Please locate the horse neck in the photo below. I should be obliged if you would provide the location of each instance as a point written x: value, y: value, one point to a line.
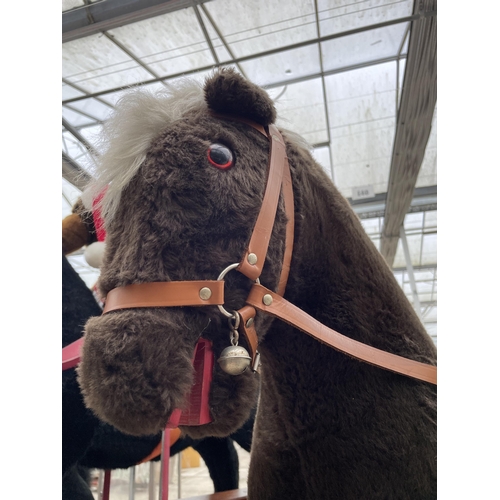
x: 340, y: 278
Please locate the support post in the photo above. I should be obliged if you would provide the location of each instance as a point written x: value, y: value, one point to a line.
x: 131, y: 484
x: 411, y: 276
x: 151, y: 485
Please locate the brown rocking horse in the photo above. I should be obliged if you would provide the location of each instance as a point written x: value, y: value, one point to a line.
x: 221, y: 226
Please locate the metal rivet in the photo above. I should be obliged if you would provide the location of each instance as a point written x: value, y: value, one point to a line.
x: 252, y: 258
x: 205, y: 293
x: 267, y: 299
x: 249, y: 323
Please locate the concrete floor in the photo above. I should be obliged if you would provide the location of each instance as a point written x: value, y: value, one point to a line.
x: 193, y: 480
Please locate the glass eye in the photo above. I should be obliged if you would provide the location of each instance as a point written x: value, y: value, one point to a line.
x: 220, y: 156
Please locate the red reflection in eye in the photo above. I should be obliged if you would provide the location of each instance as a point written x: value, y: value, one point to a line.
x: 220, y: 156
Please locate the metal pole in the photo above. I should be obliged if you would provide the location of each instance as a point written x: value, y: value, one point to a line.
x: 151, y: 485
x: 100, y: 484
x: 411, y: 276
x: 131, y: 484
x: 165, y: 459
x: 179, y: 467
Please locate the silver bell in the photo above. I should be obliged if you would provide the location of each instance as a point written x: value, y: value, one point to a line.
x: 234, y: 360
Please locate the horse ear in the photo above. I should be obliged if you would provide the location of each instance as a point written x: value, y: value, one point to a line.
x: 226, y: 91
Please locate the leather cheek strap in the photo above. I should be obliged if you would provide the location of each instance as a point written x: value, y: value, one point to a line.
x: 278, y: 176
x: 290, y: 227
x: 247, y: 329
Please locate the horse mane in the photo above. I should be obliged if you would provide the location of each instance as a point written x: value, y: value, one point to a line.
x: 139, y: 118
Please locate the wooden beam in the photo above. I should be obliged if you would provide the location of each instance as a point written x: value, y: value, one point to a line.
x: 413, y: 127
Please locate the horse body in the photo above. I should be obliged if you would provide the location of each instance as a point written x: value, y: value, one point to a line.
x: 327, y: 426
x: 348, y: 429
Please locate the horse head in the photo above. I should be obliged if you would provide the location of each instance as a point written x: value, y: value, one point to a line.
x: 183, y: 190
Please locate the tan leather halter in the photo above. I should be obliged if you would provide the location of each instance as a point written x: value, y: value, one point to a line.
x: 201, y: 293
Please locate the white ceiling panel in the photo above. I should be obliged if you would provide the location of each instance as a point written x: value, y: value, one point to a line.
x: 371, y: 226
x: 401, y: 73
x: 218, y: 44
x: 428, y: 170
x: 356, y: 174
x: 421, y: 234
x: 429, y: 248
x: 430, y: 219
x: 362, y: 110
x: 301, y: 108
x: 95, y: 63
x: 370, y: 81
x: 75, y: 118
x: 71, y: 4
x: 322, y: 156
x: 75, y: 150
x: 174, y: 42
x: 68, y: 92
x: 337, y: 16
x: 91, y: 135
x: 414, y: 221
x: 260, y: 25
x: 93, y: 108
x: 284, y: 65
x: 70, y: 195
x: 362, y: 47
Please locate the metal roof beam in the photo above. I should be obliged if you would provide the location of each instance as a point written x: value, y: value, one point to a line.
x: 222, y: 39
x: 102, y: 16
x: 413, y: 126
x: 423, y: 200
x: 79, y: 137
x: 73, y: 173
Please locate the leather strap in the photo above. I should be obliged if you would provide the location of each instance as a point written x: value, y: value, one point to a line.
x: 278, y: 176
x: 290, y: 227
x: 247, y: 328
x: 294, y: 316
x: 164, y: 294
x: 261, y: 235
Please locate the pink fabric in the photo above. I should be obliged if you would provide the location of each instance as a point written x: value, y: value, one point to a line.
x: 96, y: 212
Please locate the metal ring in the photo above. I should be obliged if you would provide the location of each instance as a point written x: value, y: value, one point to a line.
x: 224, y: 311
x: 235, y: 320
x: 228, y: 268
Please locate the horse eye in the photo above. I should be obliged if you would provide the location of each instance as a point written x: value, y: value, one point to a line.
x: 220, y: 156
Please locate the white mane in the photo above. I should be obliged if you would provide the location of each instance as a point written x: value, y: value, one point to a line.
x: 139, y: 118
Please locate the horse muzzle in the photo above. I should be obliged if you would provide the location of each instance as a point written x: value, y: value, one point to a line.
x: 136, y: 367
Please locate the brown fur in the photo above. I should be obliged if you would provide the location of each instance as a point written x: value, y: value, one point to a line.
x: 77, y: 229
x: 327, y: 426
x: 226, y: 94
